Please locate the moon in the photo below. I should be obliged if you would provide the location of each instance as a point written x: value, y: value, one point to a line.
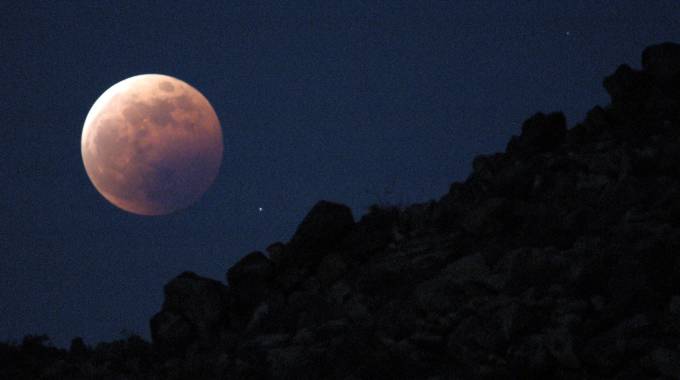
x: 152, y: 144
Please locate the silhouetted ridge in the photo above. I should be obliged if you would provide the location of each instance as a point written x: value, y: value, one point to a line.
x: 557, y: 258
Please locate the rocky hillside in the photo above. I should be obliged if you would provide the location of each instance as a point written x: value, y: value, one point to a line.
x: 558, y: 258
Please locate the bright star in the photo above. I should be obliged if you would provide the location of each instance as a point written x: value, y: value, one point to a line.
x: 259, y: 209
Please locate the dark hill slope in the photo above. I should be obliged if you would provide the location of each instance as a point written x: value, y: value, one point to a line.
x: 559, y: 258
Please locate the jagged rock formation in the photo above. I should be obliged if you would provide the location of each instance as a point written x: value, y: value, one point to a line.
x: 555, y: 259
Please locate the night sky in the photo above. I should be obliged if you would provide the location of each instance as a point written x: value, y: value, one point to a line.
x: 359, y: 102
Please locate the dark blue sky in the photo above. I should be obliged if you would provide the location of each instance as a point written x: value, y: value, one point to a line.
x: 343, y: 102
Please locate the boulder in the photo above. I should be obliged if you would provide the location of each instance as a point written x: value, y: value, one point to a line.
x: 291, y: 362
x: 627, y: 86
x: 441, y: 292
x: 514, y: 319
x: 662, y: 63
x: 275, y: 251
x: 78, y: 347
x: 249, y: 278
x: 561, y: 347
x: 475, y: 333
x: 254, y: 267
x: 171, y: 332
x: 540, y: 133
x: 664, y: 362
x: 417, y: 217
x: 469, y: 269
x: 324, y: 225
x: 524, y: 268
x: 596, y: 122
x: 486, y: 217
x: 193, y: 309
x: 330, y: 269
x: 531, y: 356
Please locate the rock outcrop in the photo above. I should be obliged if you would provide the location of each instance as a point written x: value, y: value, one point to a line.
x: 557, y: 258
x: 193, y: 310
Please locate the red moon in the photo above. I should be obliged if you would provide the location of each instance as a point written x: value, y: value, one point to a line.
x: 152, y: 144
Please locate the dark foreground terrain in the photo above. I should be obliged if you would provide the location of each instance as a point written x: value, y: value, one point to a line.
x: 559, y: 258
